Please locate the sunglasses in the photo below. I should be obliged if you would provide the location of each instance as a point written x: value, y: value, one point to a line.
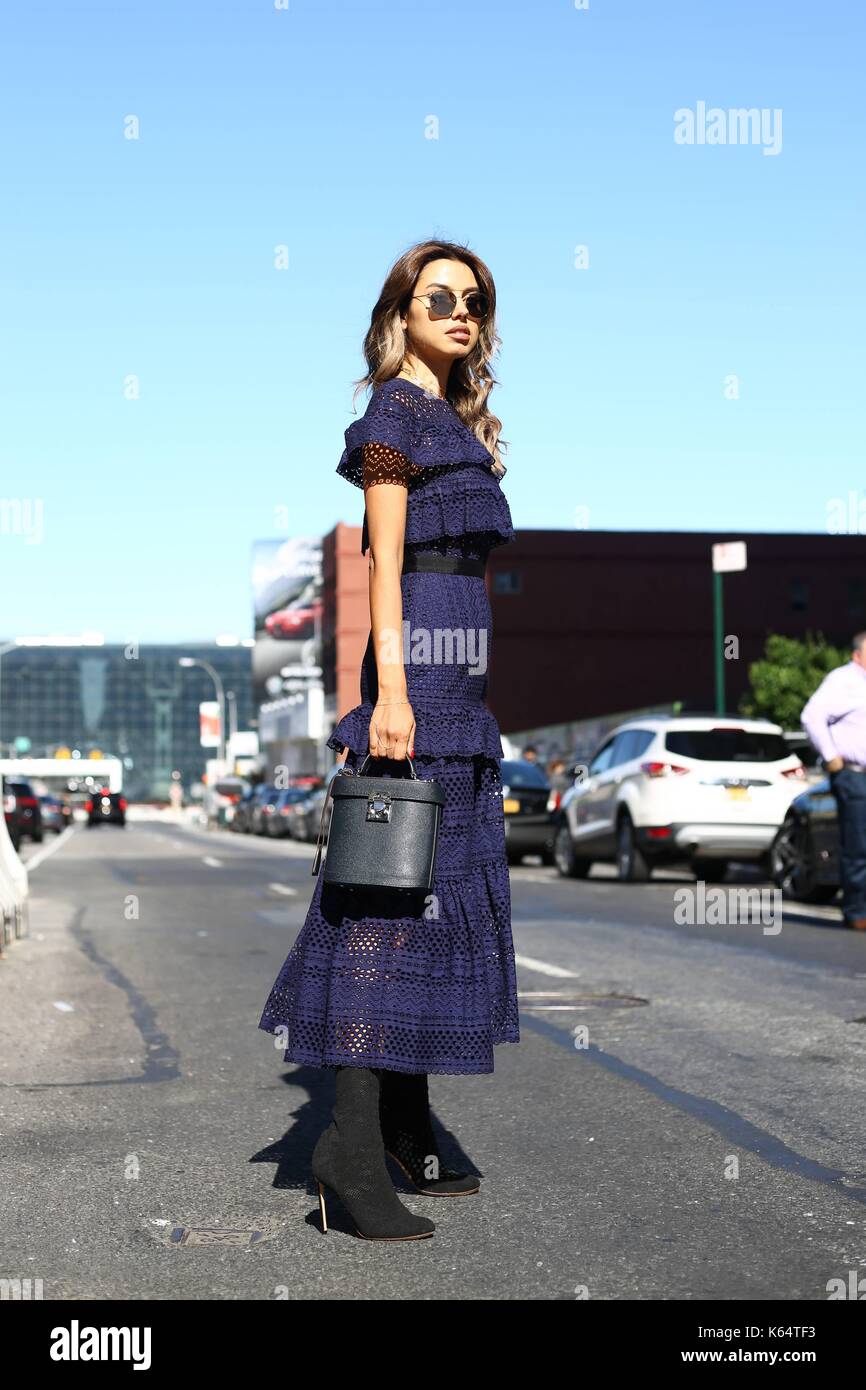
x: 444, y: 302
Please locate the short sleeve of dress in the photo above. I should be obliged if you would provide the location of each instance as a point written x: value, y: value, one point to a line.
x: 380, y: 446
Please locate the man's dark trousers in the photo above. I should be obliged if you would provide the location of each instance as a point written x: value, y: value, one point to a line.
x: 849, y: 789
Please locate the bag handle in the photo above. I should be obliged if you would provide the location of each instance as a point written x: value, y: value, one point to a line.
x: 381, y: 757
x: 320, y: 837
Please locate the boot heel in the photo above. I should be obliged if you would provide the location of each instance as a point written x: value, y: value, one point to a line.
x: 349, y: 1160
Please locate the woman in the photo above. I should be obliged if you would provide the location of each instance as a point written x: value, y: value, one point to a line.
x: 383, y: 998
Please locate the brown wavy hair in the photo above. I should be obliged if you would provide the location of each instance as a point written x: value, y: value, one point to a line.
x: 471, y: 379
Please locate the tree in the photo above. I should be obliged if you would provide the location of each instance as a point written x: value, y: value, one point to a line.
x: 788, y: 675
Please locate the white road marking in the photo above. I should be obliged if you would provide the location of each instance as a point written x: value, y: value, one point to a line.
x: 47, y: 850
x: 211, y: 862
x: 554, y: 1008
x: 543, y: 967
x: 283, y: 848
x: 829, y: 914
x: 283, y: 888
x: 64, y: 1007
x: 541, y: 994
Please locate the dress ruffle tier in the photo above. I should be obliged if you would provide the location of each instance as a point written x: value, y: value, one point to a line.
x: 450, y: 502
x: 440, y: 730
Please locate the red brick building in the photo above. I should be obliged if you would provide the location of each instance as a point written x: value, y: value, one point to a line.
x: 587, y: 623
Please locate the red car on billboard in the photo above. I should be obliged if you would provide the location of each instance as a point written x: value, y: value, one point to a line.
x: 294, y: 623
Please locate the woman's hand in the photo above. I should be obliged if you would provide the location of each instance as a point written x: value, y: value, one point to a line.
x: 392, y: 730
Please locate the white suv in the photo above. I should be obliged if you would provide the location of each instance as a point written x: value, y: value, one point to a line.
x: 661, y: 789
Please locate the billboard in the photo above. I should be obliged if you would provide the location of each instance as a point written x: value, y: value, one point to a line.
x: 209, y: 723
x: 287, y: 609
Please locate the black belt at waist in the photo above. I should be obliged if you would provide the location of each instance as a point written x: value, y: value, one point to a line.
x: 430, y: 561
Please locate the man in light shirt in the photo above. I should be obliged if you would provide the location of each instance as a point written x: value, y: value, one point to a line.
x: 835, y: 720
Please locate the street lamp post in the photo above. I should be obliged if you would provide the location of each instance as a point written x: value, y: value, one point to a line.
x: 233, y: 712
x: 221, y: 696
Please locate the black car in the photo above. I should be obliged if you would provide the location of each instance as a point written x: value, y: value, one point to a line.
x: 804, y: 857
x: 308, y: 815
x: 263, y: 807
x: 282, y: 819
x: 244, y: 818
x: 22, y: 810
x: 242, y: 809
x: 530, y: 821
x: 106, y: 808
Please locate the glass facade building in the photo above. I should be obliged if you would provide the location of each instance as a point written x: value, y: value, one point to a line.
x: 127, y: 701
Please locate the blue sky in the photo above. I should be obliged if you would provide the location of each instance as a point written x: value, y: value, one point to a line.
x: 305, y: 127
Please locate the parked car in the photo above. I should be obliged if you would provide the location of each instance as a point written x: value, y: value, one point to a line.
x: 529, y: 806
x: 308, y: 813
x: 264, y: 804
x: 105, y: 807
x: 704, y: 790
x: 804, y: 859
x: 22, y: 810
x: 247, y: 806
x: 56, y: 814
x: 281, y: 820
x: 240, y: 821
x: 221, y: 800
x: 310, y: 781
x: 799, y: 742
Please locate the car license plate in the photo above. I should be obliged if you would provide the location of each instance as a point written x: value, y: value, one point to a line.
x: 738, y: 793
x: 510, y: 805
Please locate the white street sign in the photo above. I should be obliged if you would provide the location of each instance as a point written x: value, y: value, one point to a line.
x: 729, y: 555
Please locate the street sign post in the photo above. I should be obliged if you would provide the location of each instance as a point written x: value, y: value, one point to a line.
x: 727, y: 556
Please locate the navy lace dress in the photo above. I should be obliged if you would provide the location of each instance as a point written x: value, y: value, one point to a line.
x: 429, y: 993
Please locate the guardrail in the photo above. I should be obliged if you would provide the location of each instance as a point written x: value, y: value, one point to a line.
x: 14, y: 892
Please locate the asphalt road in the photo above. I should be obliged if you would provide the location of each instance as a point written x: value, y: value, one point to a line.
x: 704, y: 1140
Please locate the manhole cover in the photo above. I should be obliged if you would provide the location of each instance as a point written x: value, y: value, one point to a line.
x: 214, y: 1235
x: 170, y: 1232
x: 552, y: 1001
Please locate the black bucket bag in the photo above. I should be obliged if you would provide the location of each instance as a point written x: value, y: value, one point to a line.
x: 383, y: 831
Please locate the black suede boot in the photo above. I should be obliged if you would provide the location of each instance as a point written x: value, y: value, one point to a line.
x: 349, y: 1158
x: 408, y: 1137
